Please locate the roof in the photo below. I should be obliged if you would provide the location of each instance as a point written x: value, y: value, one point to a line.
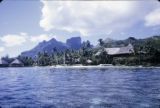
x: 16, y: 61
x: 112, y: 51
x: 121, y: 50
x: 98, y: 53
x: 89, y: 61
x: 3, y: 62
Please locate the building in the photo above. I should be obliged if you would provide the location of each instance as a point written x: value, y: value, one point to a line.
x: 77, y: 60
x: 3, y: 63
x: 89, y: 61
x: 16, y: 63
x: 119, y: 51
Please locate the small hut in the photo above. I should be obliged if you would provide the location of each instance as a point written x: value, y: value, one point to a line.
x: 89, y: 61
x: 77, y: 60
x: 16, y: 63
x: 3, y: 63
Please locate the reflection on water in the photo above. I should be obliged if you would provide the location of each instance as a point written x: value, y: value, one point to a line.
x: 80, y: 88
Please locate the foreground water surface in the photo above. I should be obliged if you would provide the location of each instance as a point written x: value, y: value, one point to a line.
x: 80, y: 88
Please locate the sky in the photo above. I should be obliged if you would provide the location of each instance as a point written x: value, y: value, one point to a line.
x: 23, y: 24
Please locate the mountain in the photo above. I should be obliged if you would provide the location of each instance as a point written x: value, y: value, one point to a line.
x: 74, y: 43
x: 48, y: 46
x: 154, y: 41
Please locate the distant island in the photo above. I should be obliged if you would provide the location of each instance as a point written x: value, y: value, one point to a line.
x: 129, y: 52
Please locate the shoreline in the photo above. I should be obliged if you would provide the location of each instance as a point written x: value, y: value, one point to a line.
x: 101, y: 67
x: 85, y: 67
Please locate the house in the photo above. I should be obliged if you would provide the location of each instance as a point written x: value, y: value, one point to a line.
x: 77, y: 60
x: 89, y: 61
x: 3, y: 63
x: 16, y: 63
x: 119, y: 51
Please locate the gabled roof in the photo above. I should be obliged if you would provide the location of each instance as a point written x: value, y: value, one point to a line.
x: 89, y: 61
x: 112, y: 51
x: 121, y: 50
x: 16, y: 61
x: 2, y: 61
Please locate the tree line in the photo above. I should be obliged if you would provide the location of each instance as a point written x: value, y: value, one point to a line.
x: 146, y: 53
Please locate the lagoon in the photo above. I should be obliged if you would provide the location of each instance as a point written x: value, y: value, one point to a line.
x: 50, y: 87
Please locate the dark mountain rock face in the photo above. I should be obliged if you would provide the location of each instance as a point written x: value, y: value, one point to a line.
x: 48, y: 46
x: 74, y: 43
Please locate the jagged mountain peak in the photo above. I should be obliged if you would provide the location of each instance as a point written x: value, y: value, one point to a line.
x: 48, y: 46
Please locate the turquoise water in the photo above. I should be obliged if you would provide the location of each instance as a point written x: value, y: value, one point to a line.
x: 80, y: 88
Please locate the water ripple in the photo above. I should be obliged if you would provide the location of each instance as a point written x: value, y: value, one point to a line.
x: 80, y: 88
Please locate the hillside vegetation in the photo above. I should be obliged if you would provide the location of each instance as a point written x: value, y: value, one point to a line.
x: 146, y: 53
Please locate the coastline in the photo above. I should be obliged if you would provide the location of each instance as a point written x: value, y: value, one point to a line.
x: 99, y: 67
x: 86, y: 67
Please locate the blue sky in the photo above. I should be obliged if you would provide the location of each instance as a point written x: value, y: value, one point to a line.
x: 26, y: 23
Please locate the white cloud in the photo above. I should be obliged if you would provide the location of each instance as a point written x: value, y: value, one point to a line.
x: 109, y: 32
x: 23, y: 34
x: 153, y: 18
x: 85, y: 17
x: 17, y: 43
x: 90, y: 17
x: 1, y: 49
x: 40, y: 38
x: 12, y: 40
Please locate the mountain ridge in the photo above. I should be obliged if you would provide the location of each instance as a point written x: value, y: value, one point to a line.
x: 75, y: 43
x: 48, y: 46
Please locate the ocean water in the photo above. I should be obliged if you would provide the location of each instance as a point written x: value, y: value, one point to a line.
x: 79, y: 88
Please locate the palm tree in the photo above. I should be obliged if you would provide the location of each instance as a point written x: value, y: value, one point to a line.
x: 38, y: 58
x: 104, y: 57
x: 88, y: 44
x: 101, y: 42
x: 55, y: 54
x: 68, y: 55
x: 140, y: 54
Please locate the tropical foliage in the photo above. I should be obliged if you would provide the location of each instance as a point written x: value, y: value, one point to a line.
x: 147, y: 53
